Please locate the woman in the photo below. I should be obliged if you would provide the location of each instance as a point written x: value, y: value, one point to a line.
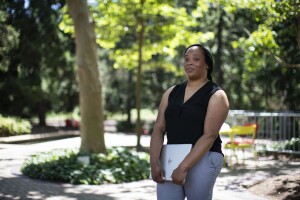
x: 191, y: 113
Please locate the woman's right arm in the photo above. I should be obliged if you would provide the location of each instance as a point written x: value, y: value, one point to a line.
x: 157, y: 139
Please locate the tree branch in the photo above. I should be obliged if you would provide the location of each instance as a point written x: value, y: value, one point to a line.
x: 280, y: 61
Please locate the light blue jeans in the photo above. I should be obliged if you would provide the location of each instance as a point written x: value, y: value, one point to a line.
x: 199, y: 181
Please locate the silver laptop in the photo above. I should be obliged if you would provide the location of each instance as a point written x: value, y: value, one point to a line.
x: 171, y: 156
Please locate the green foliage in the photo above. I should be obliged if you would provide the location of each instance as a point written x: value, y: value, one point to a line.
x: 38, y: 73
x: 9, y: 40
x: 288, y: 145
x: 157, y: 80
x: 119, y: 93
x: 117, y: 166
x: 258, y: 41
x: 259, y: 44
x: 117, y: 23
x: 124, y: 126
x: 14, y: 126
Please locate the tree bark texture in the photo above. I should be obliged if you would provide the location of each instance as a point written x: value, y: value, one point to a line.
x: 91, y: 110
x: 140, y: 41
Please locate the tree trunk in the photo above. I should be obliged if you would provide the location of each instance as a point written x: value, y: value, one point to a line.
x: 218, y: 60
x: 91, y: 110
x: 129, y: 103
x: 298, y: 29
x: 140, y: 40
x: 42, y: 109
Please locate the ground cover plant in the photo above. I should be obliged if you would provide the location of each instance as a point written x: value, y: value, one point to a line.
x: 10, y: 126
x: 288, y: 145
x: 117, y: 166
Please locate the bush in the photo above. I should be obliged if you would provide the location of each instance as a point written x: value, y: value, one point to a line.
x: 124, y: 126
x: 292, y: 145
x: 147, y: 127
x: 14, y: 126
x: 117, y: 166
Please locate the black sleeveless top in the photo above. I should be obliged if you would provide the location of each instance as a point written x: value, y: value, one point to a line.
x: 185, y: 121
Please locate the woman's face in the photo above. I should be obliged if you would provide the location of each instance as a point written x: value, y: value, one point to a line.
x: 194, y: 63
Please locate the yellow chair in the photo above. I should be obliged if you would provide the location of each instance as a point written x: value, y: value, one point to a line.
x: 241, y: 138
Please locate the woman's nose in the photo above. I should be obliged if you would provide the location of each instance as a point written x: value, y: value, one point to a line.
x: 190, y: 62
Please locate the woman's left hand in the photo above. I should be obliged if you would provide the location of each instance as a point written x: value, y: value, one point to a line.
x: 179, y: 175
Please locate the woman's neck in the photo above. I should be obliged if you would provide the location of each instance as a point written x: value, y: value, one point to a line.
x: 197, y: 83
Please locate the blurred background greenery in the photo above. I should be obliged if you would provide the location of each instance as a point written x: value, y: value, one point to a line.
x: 255, y: 45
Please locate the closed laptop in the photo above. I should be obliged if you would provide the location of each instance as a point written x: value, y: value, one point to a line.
x: 171, y: 156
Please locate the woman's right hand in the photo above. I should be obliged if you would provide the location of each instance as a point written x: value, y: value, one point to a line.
x: 157, y: 140
x: 157, y: 173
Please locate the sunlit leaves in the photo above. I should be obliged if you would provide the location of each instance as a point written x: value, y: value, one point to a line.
x: 66, y: 24
x: 9, y: 39
x: 202, y: 8
x: 166, y: 28
x: 124, y: 58
x: 261, y: 43
x: 254, y: 33
x: 266, y: 11
x: 263, y: 37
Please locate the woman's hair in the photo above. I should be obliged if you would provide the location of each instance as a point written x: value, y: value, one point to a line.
x: 208, y: 58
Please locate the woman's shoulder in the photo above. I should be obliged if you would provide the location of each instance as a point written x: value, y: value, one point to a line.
x: 169, y: 90
x: 218, y: 94
x: 215, y: 87
x: 175, y: 87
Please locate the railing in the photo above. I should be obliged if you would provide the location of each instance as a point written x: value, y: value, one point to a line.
x: 274, y: 128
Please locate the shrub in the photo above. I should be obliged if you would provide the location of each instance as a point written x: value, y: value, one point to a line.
x: 124, y: 126
x: 117, y: 166
x: 293, y: 145
x: 14, y: 126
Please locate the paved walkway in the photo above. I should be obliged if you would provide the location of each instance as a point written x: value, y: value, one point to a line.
x: 13, y: 185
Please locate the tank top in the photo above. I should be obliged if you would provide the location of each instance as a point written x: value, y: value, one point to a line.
x: 185, y: 120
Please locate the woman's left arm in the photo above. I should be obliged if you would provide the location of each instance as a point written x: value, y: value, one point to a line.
x: 217, y: 112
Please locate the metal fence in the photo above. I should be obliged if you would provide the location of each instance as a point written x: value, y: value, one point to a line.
x: 276, y: 131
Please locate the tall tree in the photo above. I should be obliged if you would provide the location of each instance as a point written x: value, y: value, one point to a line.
x: 91, y: 111
x: 37, y: 74
x: 260, y: 41
x: 140, y: 30
x: 272, y: 49
x: 141, y: 26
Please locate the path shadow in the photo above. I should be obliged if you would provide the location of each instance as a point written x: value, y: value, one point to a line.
x: 24, y: 188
